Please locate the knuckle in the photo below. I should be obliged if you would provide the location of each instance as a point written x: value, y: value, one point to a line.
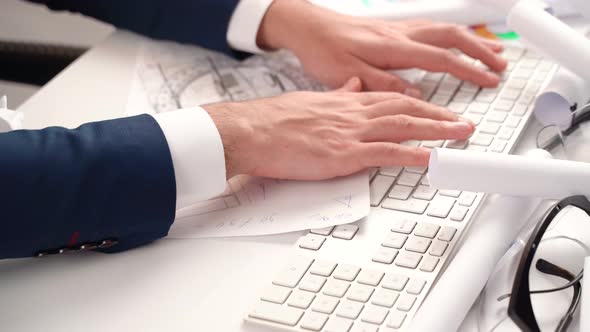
x: 402, y: 121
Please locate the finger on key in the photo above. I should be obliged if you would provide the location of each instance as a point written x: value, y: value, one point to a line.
x: 378, y: 154
x: 401, y: 128
x: 410, y: 106
x: 436, y: 59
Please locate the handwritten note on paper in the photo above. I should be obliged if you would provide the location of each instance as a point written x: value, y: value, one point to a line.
x: 258, y: 206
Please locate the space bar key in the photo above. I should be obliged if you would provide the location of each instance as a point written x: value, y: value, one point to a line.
x: 411, y: 205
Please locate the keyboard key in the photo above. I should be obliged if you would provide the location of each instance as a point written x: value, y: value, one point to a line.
x: 424, y: 192
x: 350, y: 309
x: 411, y: 143
x: 409, y: 179
x: 459, y: 213
x: 345, y: 232
x: 498, y: 117
x: 391, y: 170
x: 417, y: 170
x: 433, y: 77
x: 301, y: 299
x: 478, y: 107
x: 498, y: 146
x: 457, y: 107
x: 295, y: 270
x: 385, y: 256
x: 385, y: 298
x: 396, y: 319
x: 489, y: 128
x: 429, y: 264
x: 482, y: 139
x: 519, y: 110
x: 311, y: 242
x: 464, y: 96
x: 523, y: 73
x: 312, y: 283
x: 512, y: 122
x: 433, y: 144
x: 486, y: 97
x: 395, y: 282
x: 440, y: 99
x: 441, y: 207
x: 447, y: 233
x: 411, y: 205
x: 276, y: 313
x: 370, y: 277
x: 379, y: 187
x: 406, y: 302
x: 322, y: 268
x: 418, y: 244
x: 415, y: 286
x: 314, y: 321
x: 513, y: 53
x: 322, y: 231
x: 510, y: 94
x: 374, y: 314
x: 438, y: 248
x: 373, y: 171
x: 395, y: 240
x: 467, y: 198
x: 276, y: 294
x: 456, y: 144
x: 408, y: 259
x: 405, y: 226
x: 475, y: 118
x: 363, y: 327
x: 338, y: 324
x: 346, y: 272
x: 504, y: 105
x: 450, y: 193
x: 360, y: 293
x: 336, y: 288
x: 400, y: 192
x: 516, y: 83
x: 505, y: 133
x: 325, y: 304
x: 428, y: 230
x: 427, y: 88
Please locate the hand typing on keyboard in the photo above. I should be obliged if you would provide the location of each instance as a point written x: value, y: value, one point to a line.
x: 315, y: 135
x: 333, y: 47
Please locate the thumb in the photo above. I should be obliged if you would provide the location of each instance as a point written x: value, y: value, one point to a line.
x: 353, y: 84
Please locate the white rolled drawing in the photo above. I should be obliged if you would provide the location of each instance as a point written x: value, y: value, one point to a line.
x: 508, y: 174
x: 551, y: 36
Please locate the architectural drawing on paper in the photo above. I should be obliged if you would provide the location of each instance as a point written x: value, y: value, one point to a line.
x: 173, y: 76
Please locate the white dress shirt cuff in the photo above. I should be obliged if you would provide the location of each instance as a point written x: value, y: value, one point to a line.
x: 197, y: 154
x: 244, y: 25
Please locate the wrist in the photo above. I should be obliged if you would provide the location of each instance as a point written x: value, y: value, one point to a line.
x: 235, y: 135
x: 283, y: 24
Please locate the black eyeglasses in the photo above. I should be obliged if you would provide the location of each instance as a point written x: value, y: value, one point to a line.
x: 520, y: 308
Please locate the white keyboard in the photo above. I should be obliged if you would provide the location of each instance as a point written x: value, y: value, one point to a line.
x: 373, y: 275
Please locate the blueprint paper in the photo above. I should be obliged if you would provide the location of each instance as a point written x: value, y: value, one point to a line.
x: 169, y: 76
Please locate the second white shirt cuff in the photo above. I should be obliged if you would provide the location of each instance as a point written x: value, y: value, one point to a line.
x: 244, y: 25
x: 197, y: 154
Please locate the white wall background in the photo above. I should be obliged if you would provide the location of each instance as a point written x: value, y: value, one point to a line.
x: 23, y: 21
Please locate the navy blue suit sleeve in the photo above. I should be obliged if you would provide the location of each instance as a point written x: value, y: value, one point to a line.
x: 104, y: 180
x: 200, y: 22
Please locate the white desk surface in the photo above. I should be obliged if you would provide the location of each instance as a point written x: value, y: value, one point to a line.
x: 169, y: 285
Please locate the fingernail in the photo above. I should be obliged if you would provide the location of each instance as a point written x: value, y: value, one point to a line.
x: 463, y: 126
x: 493, y: 78
x: 413, y: 92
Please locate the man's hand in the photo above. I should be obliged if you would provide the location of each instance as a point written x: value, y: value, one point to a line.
x: 334, y: 47
x: 315, y: 135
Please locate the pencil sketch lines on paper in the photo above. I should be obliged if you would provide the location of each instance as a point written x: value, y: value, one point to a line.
x: 175, y: 76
